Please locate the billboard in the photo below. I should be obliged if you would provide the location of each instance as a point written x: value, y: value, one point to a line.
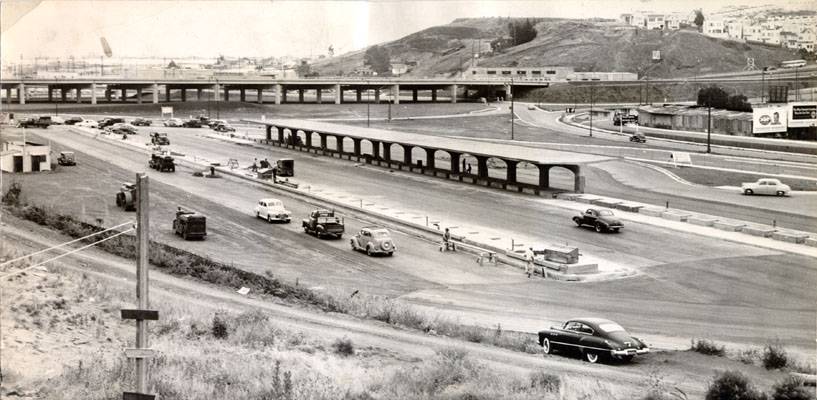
x: 803, y: 114
x: 769, y: 119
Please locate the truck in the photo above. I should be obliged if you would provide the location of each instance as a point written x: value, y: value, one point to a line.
x: 126, y: 197
x: 162, y: 162
x: 159, y: 139
x: 189, y: 224
x: 322, y: 223
x: 36, y: 122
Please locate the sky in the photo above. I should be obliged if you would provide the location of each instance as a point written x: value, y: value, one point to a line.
x: 188, y: 28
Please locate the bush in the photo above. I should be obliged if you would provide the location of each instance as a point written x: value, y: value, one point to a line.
x: 545, y: 381
x: 12, y: 196
x: 344, y: 347
x: 732, y: 385
x: 790, y: 388
x: 707, y: 347
x: 219, y: 327
x: 774, y: 356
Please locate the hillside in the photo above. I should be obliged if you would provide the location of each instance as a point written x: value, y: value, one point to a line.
x: 586, y: 45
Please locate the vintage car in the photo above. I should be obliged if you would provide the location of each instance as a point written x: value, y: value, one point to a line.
x: 36, y: 122
x: 766, y: 186
x: 593, y: 338
x: 272, y: 210
x: 602, y: 220
x: 159, y: 139
x: 215, y: 122
x: 67, y: 158
x: 192, y: 123
x: 323, y: 223
x: 223, y: 128
x: 106, y: 122
x: 73, y: 120
x: 638, y: 138
x: 374, y: 240
x: 141, y: 122
x: 88, y: 123
x: 172, y: 123
x: 190, y: 224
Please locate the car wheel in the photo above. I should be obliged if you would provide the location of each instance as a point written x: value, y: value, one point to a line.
x: 577, y: 220
x: 269, y: 219
x: 546, y: 346
x: 369, y: 250
x: 352, y: 243
x: 626, y: 358
x: 748, y: 191
x: 599, y: 228
x: 391, y: 254
x: 616, y: 230
x: 591, y: 357
x: 781, y: 193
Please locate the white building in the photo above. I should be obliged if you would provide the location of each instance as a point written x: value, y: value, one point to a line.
x: 25, y: 157
x: 715, y: 28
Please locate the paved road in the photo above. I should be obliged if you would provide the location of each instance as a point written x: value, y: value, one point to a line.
x: 689, y: 285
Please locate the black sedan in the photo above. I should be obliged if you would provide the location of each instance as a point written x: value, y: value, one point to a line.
x: 141, y: 122
x: 600, y: 219
x: 192, y: 123
x: 593, y: 338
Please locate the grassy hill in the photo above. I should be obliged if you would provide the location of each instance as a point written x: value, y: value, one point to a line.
x: 587, y: 45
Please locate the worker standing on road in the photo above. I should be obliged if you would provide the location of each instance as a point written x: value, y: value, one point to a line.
x: 254, y: 166
x: 529, y: 261
x: 446, y: 244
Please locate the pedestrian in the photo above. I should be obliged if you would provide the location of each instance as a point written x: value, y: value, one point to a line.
x: 254, y: 166
x: 446, y: 244
x: 274, y: 177
x: 529, y: 261
x: 468, y: 168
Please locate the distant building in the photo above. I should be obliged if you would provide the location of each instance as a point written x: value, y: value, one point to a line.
x: 551, y: 74
x: 655, y: 21
x: 25, y: 157
x: 651, y: 20
x: 715, y: 28
x: 399, y: 69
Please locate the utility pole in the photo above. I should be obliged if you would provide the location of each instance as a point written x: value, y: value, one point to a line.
x: 142, y: 314
x: 512, y: 115
x: 591, y: 111
x: 708, y: 127
x: 763, y: 85
x: 367, y: 104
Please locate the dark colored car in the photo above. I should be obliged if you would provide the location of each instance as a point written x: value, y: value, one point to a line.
x: 105, y: 122
x: 141, y: 122
x: 37, y: 122
x: 192, y: 123
x: 73, y: 120
x: 593, y: 339
x: 602, y: 220
x: 190, y: 225
x: 223, y: 128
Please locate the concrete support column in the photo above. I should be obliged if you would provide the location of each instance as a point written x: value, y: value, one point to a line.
x: 544, y: 176
x: 8, y: 95
x: 323, y: 140
x: 434, y: 95
x: 278, y: 96
x: 259, y: 97
x: 387, y: 151
x: 216, y: 92
x: 414, y: 95
x: 139, y: 95
x: 124, y: 97
x: 269, y: 132
x: 108, y: 94
x: 430, y: 157
x: 242, y: 95
x: 280, y: 134
x: 93, y: 93
x: 358, y: 95
x: 155, y: 93
x: 50, y: 94
x: 318, y: 92
x: 407, y: 154
x: 375, y: 149
x: 284, y: 95
x: 308, y: 135
x: 377, y: 95
x: 511, y: 171
x: 78, y: 97
x: 395, y: 90
x: 339, y: 143
x: 198, y: 94
x: 21, y: 93
x: 357, y: 146
x: 226, y: 94
x: 338, y: 94
x: 167, y: 93
x: 578, y: 179
x: 184, y: 94
x: 300, y: 95
x: 63, y: 95
x: 453, y: 93
x: 455, y: 162
x: 482, y: 166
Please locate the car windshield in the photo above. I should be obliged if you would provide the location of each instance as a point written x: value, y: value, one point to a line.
x: 606, y: 212
x: 610, y: 327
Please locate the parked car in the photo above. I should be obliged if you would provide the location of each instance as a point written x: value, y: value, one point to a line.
x: 215, y: 122
x: 593, y: 338
x: 141, y: 122
x: 66, y: 158
x: 638, y: 138
x: 159, y: 139
x: 531, y: 107
x: 192, y: 123
x: 223, y: 128
x: 189, y: 224
x: 600, y: 219
x: 123, y: 129
x: 74, y: 120
x: 173, y: 122
x: 106, y: 122
x: 374, y: 241
x: 272, y: 210
x: 88, y: 123
x: 768, y: 186
x: 323, y: 223
x: 35, y: 122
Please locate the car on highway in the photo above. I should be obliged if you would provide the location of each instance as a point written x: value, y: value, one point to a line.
x: 141, y: 122
x: 122, y: 128
x: 35, y: 122
x: 190, y: 224
x: 215, y: 122
x: 767, y: 186
x: 88, y: 123
x: 192, y: 123
x: 323, y: 223
x: 594, y: 339
x: 374, y: 240
x: 531, y: 107
x: 106, y: 122
x: 172, y: 123
x: 223, y: 128
x: 272, y: 210
x: 638, y: 138
x: 74, y: 120
x: 602, y: 220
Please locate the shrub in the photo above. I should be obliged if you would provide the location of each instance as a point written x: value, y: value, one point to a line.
x: 707, y: 347
x: 219, y: 327
x: 732, y: 385
x: 774, y: 356
x: 790, y: 388
x: 12, y: 196
x: 545, y: 381
x: 344, y: 347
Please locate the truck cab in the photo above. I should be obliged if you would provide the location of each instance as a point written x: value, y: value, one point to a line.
x: 323, y: 223
x: 190, y: 224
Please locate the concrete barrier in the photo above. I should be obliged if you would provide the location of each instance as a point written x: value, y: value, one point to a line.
x: 759, y: 230
x: 652, y: 211
x: 675, y: 215
x: 606, y: 202
x: 631, y: 207
x: 810, y: 241
x: 790, y: 236
x: 728, y: 225
x: 568, y: 196
x: 587, y: 198
x: 702, y: 220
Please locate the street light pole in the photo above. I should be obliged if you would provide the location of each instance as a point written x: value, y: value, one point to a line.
x: 708, y: 127
x: 763, y: 85
x: 367, y: 104
x: 591, y: 111
x: 512, y: 116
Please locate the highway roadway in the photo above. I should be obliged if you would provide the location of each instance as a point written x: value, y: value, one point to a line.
x: 687, y: 286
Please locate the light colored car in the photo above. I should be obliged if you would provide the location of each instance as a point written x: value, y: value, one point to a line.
x: 173, y: 122
x: 272, y: 210
x: 531, y: 107
x: 88, y: 123
x: 768, y: 186
x: 374, y: 240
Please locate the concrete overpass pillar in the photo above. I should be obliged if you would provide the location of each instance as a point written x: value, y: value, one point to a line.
x: 184, y: 94
x: 358, y: 95
x: 155, y: 94
x: 387, y: 151
x: 578, y: 179
x: 434, y: 95
x: 454, y: 93
x: 93, y: 93
x: 280, y: 134
x: 339, y: 143
x: 259, y: 96
x: 308, y: 135
x: 107, y: 94
x: 511, y: 171
x: 508, y: 92
x: 300, y: 95
x: 338, y: 95
x: 318, y: 92
x: 482, y: 166
x: 357, y: 146
x: 78, y: 97
x: 216, y: 92
x: 323, y: 140
x: 278, y: 94
x: 407, y: 154
x: 284, y: 95
x: 455, y: 162
x: 124, y: 97
x: 63, y: 95
x: 544, y: 176
x: 139, y: 95
x: 242, y: 95
x: 395, y: 90
x: 21, y: 93
x: 430, y: 157
x: 50, y: 97
x: 375, y: 149
x: 226, y: 94
x: 269, y: 132
x: 377, y: 95
x: 414, y: 95
x: 198, y: 94
x: 167, y: 93
x: 8, y: 95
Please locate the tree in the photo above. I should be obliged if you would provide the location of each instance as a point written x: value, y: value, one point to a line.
x: 699, y: 18
x: 738, y: 102
x: 521, y: 32
x: 713, y: 96
x: 379, y: 58
x: 303, y: 69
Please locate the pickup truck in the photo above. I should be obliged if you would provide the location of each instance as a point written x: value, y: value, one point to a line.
x: 37, y: 122
x: 323, y: 223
